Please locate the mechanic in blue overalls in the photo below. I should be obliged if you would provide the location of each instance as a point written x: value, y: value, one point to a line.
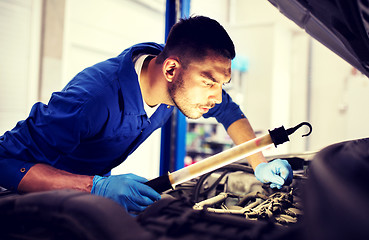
x: 106, y: 111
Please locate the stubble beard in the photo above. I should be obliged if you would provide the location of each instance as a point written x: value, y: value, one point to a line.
x: 176, y: 90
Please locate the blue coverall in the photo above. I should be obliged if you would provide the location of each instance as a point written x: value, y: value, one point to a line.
x: 93, y: 124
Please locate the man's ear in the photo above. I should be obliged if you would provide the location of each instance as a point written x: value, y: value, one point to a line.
x: 170, y: 68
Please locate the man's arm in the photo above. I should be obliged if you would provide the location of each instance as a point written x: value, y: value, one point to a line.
x: 43, y: 177
x: 128, y: 190
x: 241, y: 131
x: 277, y: 172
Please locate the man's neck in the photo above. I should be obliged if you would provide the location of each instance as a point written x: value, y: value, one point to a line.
x: 153, y: 87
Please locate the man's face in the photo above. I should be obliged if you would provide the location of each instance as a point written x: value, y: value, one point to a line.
x: 198, y: 87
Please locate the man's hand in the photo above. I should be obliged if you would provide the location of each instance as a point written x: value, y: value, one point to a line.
x: 128, y: 190
x: 277, y: 172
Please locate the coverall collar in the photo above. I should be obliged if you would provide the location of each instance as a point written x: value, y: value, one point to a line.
x: 133, y: 100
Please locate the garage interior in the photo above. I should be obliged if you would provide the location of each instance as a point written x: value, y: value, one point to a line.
x: 282, y: 75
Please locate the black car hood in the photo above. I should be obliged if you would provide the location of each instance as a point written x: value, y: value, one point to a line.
x: 340, y: 25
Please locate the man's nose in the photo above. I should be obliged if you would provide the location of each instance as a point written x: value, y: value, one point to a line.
x: 216, y: 96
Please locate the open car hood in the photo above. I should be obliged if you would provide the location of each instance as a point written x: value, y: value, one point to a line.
x: 340, y: 25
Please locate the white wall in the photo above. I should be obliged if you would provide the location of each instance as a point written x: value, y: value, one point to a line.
x: 19, y: 51
x: 99, y: 29
x: 339, y: 99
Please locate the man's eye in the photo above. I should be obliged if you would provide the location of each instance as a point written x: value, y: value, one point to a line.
x: 226, y: 83
x: 209, y: 83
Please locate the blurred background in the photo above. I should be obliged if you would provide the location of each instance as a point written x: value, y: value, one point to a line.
x: 280, y: 76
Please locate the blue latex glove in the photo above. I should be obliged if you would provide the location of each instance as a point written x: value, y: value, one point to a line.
x: 128, y: 190
x: 277, y: 172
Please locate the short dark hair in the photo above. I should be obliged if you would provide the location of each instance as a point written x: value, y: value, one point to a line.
x: 193, y: 37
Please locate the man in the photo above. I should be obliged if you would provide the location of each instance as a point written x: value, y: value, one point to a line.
x: 106, y: 111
